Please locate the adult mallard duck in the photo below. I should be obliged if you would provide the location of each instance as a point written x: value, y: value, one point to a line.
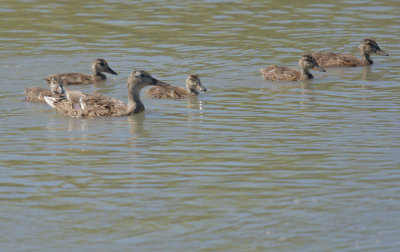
x: 193, y: 84
x: 36, y: 94
x: 83, y: 105
x: 367, y: 47
x: 283, y: 73
x: 98, y: 67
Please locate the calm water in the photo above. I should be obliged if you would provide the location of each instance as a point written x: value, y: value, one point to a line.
x: 248, y: 166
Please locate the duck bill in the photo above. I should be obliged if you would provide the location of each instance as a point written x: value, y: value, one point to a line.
x: 110, y: 71
x: 381, y: 52
x: 201, y: 87
x: 318, y: 68
x: 61, y: 90
x: 156, y: 82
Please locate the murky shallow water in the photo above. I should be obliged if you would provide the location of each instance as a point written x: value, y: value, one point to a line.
x: 249, y: 165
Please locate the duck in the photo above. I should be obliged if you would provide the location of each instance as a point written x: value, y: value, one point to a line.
x: 193, y: 86
x: 331, y: 59
x: 37, y: 94
x: 98, y: 67
x: 283, y: 73
x: 90, y: 105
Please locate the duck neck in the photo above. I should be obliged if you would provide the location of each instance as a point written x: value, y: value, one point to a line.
x: 367, y: 58
x: 53, y: 90
x: 135, y: 105
x: 305, y: 74
x: 191, y: 90
x: 99, y: 75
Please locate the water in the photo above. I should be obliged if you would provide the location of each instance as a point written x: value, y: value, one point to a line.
x: 247, y: 166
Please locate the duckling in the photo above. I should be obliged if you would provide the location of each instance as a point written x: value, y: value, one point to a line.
x: 98, y: 66
x: 193, y: 84
x: 83, y: 105
x: 282, y: 73
x: 367, y: 47
x: 36, y: 94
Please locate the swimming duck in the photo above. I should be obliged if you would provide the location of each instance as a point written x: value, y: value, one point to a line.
x: 367, y: 47
x: 193, y: 84
x: 282, y: 73
x: 83, y: 105
x: 36, y: 94
x: 98, y: 66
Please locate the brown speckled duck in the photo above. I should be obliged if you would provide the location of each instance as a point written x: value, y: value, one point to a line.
x: 82, y: 105
x: 367, y: 47
x: 282, y: 73
x: 98, y: 66
x: 36, y: 94
x: 193, y: 84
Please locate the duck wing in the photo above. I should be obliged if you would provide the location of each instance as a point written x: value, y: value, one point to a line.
x: 83, y: 105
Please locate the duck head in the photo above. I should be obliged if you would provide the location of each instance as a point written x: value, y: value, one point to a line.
x: 369, y: 46
x: 193, y: 84
x: 57, y: 86
x: 100, y: 65
x: 308, y: 62
x: 141, y: 78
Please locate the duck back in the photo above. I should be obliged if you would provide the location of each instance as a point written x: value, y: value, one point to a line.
x: 330, y: 59
x: 280, y: 73
x: 75, y: 78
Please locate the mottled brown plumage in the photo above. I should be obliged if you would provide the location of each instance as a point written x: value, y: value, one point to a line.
x: 98, y: 66
x: 367, y: 47
x: 36, y: 94
x: 83, y: 105
x: 193, y: 84
x: 283, y: 73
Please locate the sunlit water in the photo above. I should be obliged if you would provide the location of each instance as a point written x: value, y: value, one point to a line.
x: 247, y: 166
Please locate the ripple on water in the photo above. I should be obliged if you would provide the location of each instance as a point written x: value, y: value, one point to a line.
x: 282, y: 166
